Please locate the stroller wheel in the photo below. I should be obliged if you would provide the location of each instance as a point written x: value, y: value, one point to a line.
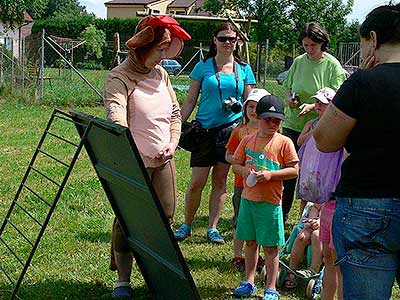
x: 280, y: 280
x: 263, y: 275
x: 309, y: 289
x: 279, y: 277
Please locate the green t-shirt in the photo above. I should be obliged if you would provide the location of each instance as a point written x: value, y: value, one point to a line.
x: 305, y: 78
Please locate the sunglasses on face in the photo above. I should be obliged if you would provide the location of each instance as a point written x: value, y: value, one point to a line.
x: 223, y: 39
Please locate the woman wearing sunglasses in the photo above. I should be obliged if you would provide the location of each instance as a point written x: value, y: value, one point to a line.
x: 223, y: 81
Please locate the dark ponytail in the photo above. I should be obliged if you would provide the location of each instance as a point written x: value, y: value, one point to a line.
x: 385, y: 21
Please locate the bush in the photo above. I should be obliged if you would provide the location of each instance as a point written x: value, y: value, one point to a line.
x: 95, y: 41
x: 276, y: 67
x: 90, y: 65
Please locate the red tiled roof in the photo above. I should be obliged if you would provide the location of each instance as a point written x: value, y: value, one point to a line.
x: 199, y: 11
x: 116, y: 2
x: 27, y: 17
x: 181, y: 3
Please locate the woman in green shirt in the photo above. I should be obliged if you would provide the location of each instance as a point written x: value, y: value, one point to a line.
x: 309, y: 73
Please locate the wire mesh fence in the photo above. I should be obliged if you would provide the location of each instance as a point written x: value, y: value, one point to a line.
x: 60, y: 71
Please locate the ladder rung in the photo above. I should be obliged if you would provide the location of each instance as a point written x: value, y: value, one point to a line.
x: 61, y: 138
x: 68, y: 118
x: 8, y: 276
x: 79, y: 123
x: 45, y: 176
x: 19, y: 231
x: 54, y: 158
x: 36, y: 194
x: 11, y: 250
x: 29, y: 214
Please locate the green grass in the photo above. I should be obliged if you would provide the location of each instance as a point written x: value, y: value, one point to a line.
x: 67, y: 88
x: 72, y: 259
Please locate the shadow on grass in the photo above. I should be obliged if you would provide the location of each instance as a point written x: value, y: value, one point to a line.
x: 59, y: 289
x: 207, y: 292
x: 220, y: 263
x: 67, y: 290
x: 95, y: 236
x: 224, y: 224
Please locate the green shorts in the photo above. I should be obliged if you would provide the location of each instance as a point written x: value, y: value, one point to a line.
x: 261, y: 222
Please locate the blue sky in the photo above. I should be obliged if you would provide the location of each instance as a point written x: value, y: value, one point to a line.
x: 360, y: 9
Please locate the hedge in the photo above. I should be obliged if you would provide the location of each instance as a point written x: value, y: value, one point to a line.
x: 199, y: 30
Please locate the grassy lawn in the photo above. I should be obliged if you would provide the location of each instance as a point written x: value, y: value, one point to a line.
x: 72, y: 259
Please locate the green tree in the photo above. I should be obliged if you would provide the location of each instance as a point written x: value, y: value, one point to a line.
x: 94, y: 41
x: 281, y: 20
x: 350, y: 32
x: 270, y: 14
x: 12, y: 11
x: 64, y: 9
x: 331, y: 14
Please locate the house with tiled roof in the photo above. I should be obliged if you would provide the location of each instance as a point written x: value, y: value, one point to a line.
x: 11, y: 36
x: 137, y: 8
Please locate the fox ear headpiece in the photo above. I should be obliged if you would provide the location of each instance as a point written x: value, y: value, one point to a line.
x: 160, y: 29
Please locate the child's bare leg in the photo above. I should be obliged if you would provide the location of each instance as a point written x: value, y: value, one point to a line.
x: 237, y: 246
x: 339, y: 278
x: 340, y: 284
x: 316, y: 257
x: 298, y: 248
x: 330, y: 280
x: 272, y: 266
x: 251, y: 260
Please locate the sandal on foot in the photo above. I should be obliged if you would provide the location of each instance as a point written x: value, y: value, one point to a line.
x: 214, y: 237
x: 306, y: 272
x: 290, y: 281
x: 183, y: 232
x: 122, y: 291
x: 245, y: 289
x: 238, y: 264
x: 270, y: 294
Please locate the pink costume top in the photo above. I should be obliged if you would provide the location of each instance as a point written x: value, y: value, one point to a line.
x: 143, y: 100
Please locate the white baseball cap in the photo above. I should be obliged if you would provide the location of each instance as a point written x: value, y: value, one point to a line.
x: 256, y: 95
x: 325, y: 95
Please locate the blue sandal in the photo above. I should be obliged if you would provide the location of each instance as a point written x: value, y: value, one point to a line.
x: 245, y: 289
x: 122, y: 293
x: 270, y: 294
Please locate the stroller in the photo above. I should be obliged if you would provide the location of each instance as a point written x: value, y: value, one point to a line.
x: 314, y: 282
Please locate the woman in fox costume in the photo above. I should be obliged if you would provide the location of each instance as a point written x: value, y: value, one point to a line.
x: 138, y: 94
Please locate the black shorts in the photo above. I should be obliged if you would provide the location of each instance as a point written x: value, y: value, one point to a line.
x: 212, y: 149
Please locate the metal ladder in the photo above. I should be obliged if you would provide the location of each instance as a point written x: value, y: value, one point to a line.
x: 33, y: 206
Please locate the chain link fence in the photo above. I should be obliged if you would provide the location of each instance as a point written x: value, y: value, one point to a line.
x: 15, y: 62
x: 60, y: 71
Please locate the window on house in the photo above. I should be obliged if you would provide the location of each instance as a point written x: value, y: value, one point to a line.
x: 8, y: 43
x: 155, y: 11
x: 182, y: 12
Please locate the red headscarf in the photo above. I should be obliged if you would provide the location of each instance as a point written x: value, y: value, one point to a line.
x: 162, y: 29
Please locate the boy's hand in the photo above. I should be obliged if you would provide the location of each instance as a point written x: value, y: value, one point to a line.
x: 245, y: 172
x: 263, y: 175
